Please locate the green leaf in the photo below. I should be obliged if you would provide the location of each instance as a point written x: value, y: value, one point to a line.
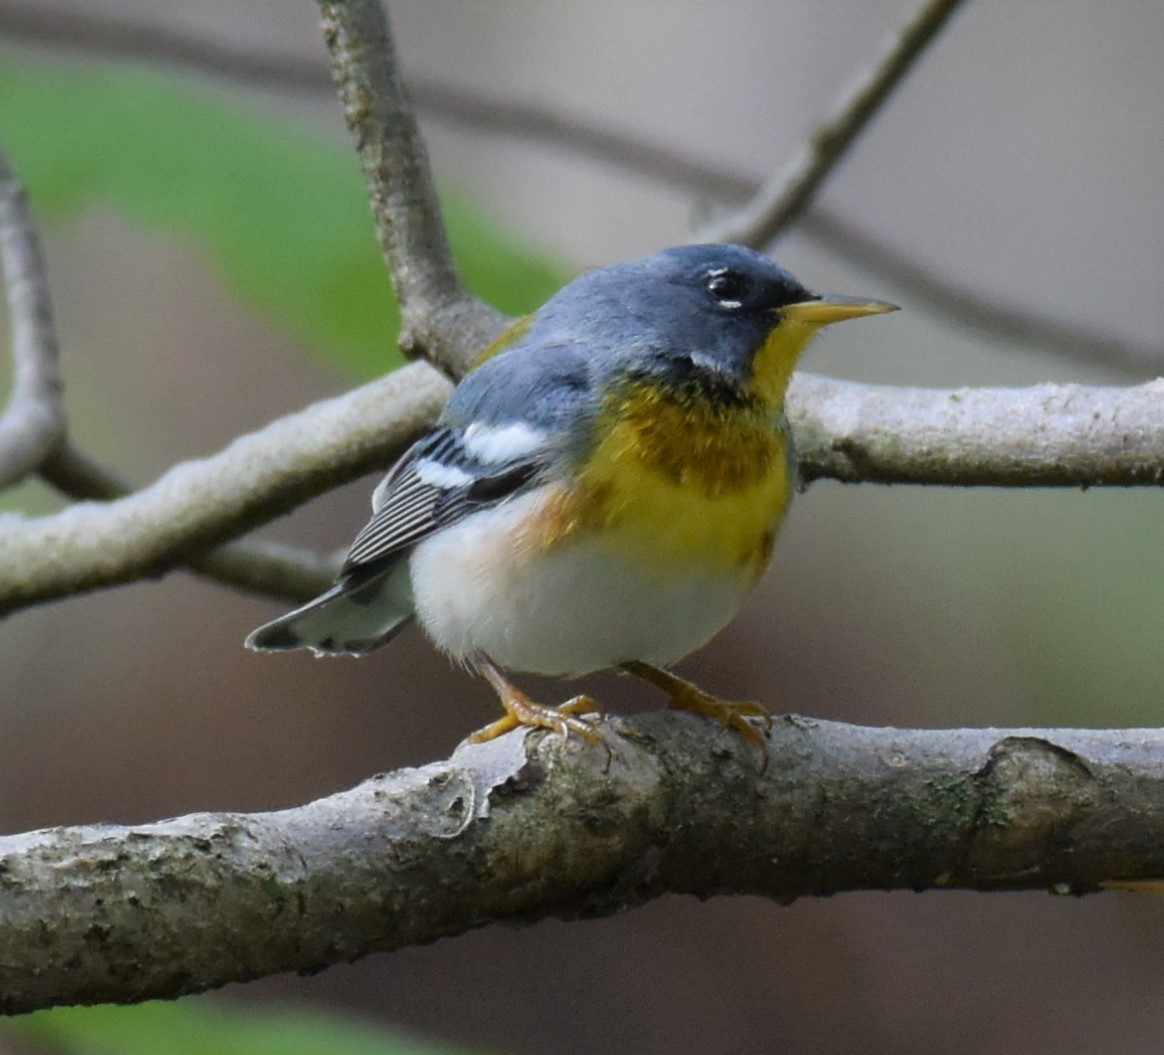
x: 277, y: 211
x: 199, y: 1026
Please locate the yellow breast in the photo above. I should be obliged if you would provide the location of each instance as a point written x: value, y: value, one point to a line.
x: 680, y: 482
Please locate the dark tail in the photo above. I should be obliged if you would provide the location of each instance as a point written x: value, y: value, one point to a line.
x: 354, y: 617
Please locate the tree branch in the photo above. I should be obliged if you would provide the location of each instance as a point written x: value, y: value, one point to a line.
x: 34, y: 420
x: 32, y: 428
x: 131, y: 38
x: 791, y: 189
x: 107, y: 913
x: 439, y: 318
x: 526, y: 827
x: 271, y: 569
x: 198, y: 504
x: 1046, y: 435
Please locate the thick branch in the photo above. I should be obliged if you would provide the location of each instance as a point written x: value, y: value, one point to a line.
x: 791, y: 189
x: 439, y: 318
x: 34, y: 420
x: 155, y: 910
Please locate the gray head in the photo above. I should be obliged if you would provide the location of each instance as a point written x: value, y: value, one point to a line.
x: 708, y: 306
x: 694, y: 314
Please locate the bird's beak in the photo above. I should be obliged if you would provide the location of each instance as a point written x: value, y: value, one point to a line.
x: 832, y: 308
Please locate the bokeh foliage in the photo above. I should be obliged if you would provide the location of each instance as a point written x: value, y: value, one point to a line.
x: 278, y: 212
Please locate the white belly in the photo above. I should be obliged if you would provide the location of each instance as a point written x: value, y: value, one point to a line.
x: 570, y: 610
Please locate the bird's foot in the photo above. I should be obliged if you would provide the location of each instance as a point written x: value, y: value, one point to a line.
x: 564, y: 719
x: 742, y: 715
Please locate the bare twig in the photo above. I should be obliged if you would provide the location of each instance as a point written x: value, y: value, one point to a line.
x: 197, y: 505
x: 791, y: 189
x: 75, y: 475
x: 481, y: 112
x: 34, y: 420
x: 130, y: 38
x: 268, y: 568
x: 439, y: 318
x: 986, y: 314
x: 125, y: 914
x: 921, y: 285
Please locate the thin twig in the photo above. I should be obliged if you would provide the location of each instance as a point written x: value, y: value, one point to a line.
x: 439, y: 318
x: 77, y: 476
x: 506, y: 835
x: 526, y: 827
x: 479, y: 111
x: 925, y: 288
x: 919, y: 283
x: 270, y: 569
x: 131, y: 38
x: 790, y: 190
x: 34, y: 420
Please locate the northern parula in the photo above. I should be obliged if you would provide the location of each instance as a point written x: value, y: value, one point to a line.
x: 603, y: 488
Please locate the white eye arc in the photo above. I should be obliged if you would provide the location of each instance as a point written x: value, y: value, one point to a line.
x: 727, y: 287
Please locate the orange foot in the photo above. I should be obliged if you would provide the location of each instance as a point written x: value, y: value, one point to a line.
x: 741, y: 715
x: 521, y: 710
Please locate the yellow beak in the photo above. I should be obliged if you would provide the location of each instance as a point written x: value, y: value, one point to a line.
x: 831, y: 308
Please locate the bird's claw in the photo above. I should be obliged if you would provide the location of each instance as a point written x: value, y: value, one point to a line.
x: 563, y: 719
x: 742, y: 715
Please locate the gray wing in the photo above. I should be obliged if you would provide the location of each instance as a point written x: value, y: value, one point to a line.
x: 507, y: 422
x: 438, y: 482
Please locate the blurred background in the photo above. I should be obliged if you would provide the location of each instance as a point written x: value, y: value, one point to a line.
x: 1023, y: 158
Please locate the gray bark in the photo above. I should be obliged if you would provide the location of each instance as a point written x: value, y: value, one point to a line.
x: 528, y: 826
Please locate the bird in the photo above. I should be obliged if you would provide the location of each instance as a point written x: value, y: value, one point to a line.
x: 602, y: 490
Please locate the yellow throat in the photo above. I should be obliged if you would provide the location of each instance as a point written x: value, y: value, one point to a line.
x: 681, y: 480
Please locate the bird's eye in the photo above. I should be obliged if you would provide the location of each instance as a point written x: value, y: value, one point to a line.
x: 728, y: 287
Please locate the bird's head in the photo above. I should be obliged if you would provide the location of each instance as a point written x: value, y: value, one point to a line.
x: 720, y: 316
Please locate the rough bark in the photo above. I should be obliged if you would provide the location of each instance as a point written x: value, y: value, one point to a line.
x: 527, y: 826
